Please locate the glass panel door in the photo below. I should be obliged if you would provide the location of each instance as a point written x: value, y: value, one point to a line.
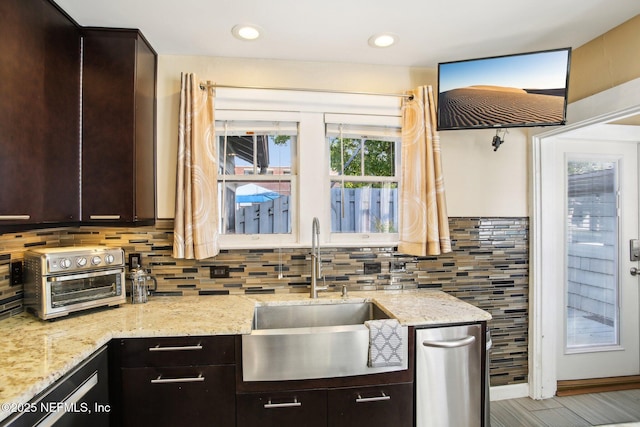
x: 595, y: 184
x: 592, y: 247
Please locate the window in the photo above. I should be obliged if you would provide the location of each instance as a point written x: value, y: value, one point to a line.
x: 363, y: 178
x: 277, y: 145
x: 256, y: 177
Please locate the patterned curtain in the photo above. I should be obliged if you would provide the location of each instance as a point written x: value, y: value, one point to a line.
x: 195, y: 232
x: 424, y: 225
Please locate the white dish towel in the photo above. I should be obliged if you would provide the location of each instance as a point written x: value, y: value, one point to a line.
x: 385, y: 343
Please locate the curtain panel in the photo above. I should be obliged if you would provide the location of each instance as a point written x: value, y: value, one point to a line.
x: 424, y: 224
x: 195, y: 233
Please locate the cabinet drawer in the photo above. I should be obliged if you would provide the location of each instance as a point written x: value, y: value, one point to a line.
x: 176, y: 351
x: 386, y: 405
x: 281, y: 409
x: 193, y: 396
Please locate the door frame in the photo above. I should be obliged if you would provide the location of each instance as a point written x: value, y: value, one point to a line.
x: 615, y: 103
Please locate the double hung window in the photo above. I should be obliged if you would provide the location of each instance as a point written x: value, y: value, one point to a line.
x: 256, y: 177
x: 363, y: 166
x: 286, y: 157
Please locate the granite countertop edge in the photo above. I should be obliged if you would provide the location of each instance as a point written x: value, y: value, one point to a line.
x: 35, y: 353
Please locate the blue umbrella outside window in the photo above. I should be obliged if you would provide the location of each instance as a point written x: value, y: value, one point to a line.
x: 252, y: 193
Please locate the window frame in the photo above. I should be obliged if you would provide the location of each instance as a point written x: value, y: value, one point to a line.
x: 310, y: 186
x: 261, y: 240
x: 384, y: 127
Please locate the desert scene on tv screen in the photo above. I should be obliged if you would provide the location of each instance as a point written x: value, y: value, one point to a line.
x: 526, y: 90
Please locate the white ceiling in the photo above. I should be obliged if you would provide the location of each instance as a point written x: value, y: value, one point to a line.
x: 429, y: 31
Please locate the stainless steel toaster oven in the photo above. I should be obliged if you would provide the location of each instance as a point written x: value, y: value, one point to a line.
x: 60, y: 281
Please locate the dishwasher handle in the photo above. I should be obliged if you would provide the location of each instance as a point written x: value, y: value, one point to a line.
x: 462, y: 342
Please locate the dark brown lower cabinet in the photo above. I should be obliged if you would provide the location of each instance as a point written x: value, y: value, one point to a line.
x: 282, y: 409
x: 174, y: 396
x: 370, y: 406
x: 173, y: 381
x: 388, y: 405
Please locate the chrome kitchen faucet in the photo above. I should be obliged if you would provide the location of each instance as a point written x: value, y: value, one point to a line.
x: 316, y: 261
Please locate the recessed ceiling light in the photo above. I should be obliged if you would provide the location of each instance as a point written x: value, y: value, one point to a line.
x: 383, y: 40
x: 246, y: 31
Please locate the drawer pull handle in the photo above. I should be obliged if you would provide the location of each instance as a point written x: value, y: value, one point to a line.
x: 181, y: 348
x: 361, y: 399
x: 71, y: 400
x: 14, y: 217
x: 161, y: 380
x: 112, y: 217
x: 450, y: 344
x: 295, y: 402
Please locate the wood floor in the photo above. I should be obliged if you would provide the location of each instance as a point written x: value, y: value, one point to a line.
x: 597, y: 409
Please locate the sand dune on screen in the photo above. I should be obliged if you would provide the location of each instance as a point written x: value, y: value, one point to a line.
x: 495, y: 105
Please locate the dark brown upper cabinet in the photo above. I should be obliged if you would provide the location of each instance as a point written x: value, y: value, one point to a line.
x: 118, y: 127
x: 39, y: 114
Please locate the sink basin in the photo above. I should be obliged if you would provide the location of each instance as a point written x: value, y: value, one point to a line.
x: 303, y: 316
x: 295, y: 342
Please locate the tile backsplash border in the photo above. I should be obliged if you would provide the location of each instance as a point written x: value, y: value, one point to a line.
x: 489, y: 268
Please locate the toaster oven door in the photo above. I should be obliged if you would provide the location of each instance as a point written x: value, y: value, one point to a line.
x: 84, y: 290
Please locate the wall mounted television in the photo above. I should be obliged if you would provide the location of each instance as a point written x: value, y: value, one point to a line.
x: 520, y: 90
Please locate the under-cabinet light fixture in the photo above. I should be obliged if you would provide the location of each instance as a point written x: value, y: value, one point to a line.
x: 246, y: 31
x: 383, y: 40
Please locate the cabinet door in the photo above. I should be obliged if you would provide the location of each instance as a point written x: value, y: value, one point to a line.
x: 145, y: 134
x: 179, y: 396
x: 118, y: 147
x: 282, y: 409
x: 388, y: 405
x: 39, y: 114
x: 108, y: 125
x: 80, y: 398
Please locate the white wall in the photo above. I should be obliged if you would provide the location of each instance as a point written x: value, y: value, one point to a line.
x: 481, y: 182
x: 478, y: 181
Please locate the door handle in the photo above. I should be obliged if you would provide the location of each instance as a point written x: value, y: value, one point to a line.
x: 634, y: 271
x: 450, y: 344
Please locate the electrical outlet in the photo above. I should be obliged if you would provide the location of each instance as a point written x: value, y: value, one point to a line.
x: 397, y: 267
x: 219, y: 271
x: 372, y: 268
x: 135, y: 260
x: 16, y: 273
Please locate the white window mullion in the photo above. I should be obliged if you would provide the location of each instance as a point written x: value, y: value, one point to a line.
x: 314, y: 185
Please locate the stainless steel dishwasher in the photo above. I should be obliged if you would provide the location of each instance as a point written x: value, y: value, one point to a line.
x: 449, y: 376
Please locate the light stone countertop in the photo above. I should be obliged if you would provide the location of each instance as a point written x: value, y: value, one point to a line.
x: 34, y: 353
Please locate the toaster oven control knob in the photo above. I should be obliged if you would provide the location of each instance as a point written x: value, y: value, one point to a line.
x: 109, y: 258
x: 96, y: 260
x: 82, y: 261
x: 65, y: 263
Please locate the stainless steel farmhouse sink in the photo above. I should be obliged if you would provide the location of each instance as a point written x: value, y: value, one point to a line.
x: 304, y: 316
x: 293, y: 342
